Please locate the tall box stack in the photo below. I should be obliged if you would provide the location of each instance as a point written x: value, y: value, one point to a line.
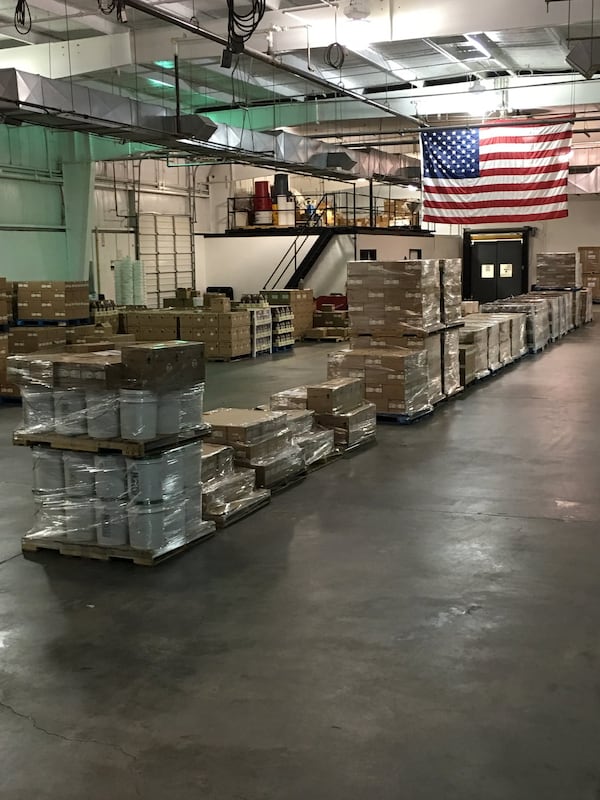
x: 590, y: 265
x: 537, y: 315
x: 261, y: 440
x: 116, y: 448
x: 451, y: 290
x: 51, y: 301
x: 200, y: 327
x: 388, y: 295
x: 300, y: 301
x: 558, y: 271
x: 233, y: 334
x: 152, y: 326
x: 450, y: 362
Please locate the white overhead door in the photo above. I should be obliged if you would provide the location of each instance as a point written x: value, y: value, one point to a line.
x: 167, y: 252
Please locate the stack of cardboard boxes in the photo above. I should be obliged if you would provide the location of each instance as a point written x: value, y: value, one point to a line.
x: 227, y: 490
x: 329, y: 324
x: 301, y: 303
x: 260, y: 440
x: 559, y: 270
x: 590, y: 266
x: 51, y: 301
x: 339, y: 405
x: 451, y: 290
x: 152, y: 326
x: 5, y: 314
x: 184, y: 298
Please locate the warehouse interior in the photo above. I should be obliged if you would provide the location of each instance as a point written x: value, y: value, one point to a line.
x: 299, y: 488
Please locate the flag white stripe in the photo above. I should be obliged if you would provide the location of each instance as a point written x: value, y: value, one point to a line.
x: 494, y: 132
x: 523, y: 147
x: 513, y: 209
x: 462, y: 199
x: 494, y: 163
x: 494, y: 180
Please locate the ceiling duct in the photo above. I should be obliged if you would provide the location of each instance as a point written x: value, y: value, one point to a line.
x: 60, y: 104
x: 584, y: 57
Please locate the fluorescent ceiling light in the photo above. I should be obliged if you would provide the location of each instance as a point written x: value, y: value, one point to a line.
x: 478, y: 46
x: 189, y: 141
x: 412, y: 188
x: 165, y: 64
x: 156, y: 82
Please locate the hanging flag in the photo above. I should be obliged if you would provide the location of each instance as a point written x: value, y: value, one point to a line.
x: 501, y: 173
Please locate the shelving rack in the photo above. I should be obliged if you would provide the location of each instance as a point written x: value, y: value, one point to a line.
x: 261, y: 331
x: 283, y: 327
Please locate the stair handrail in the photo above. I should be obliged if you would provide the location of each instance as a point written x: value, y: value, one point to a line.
x: 306, y: 224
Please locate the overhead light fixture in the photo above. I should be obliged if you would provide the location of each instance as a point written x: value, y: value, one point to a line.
x: 165, y: 64
x: 412, y: 188
x: 156, y: 82
x: 189, y: 141
x: 474, y: 42
x: 358, y: 9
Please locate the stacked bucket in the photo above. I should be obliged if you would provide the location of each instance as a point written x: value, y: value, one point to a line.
x: 115, y: 465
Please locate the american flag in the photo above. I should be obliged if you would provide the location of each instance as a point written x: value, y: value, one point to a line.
x: 496, y: 174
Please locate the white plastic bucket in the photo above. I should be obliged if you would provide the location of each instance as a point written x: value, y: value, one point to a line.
x: 240, y: 219
x: 102, y: 414
x: 48, y: 471
x: 139, y: 415
x: 169, y: 413
x: 80, y: 521
x: 193, y: 510
x: 286, y: 212
x: 174, y: 466
x: 110, y: 477
x: 192, y: 403
x: 38, y: 409
x: 79, y: 474
x: 192, y: 472
x: 69, y: 412
x: 263, y: 217
x: 174, y: 528
x: 112, y: 523
x: 48, y: 517
x: 146, y: 526
x: 145, y: 479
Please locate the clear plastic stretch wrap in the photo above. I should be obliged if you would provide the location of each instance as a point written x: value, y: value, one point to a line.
x: 352, y: 427
x: 139, y: 394
x: 538, y: 329
x: 151, y: 504
x: 476, y: 335
x: 388, y: 294
x: 504, y: 335
x: 566, y: 308
x: 451, y: 289
x: 260, y: 439
x: 587, y: 307
x: 451, y: 372
x: 335, y: 395
x: 315, y: 444
x: 131, y: 415
x: 300, y: 421
x: 396, y: 379
x: 558, y: 271
x: 289, y: 399
x: 432, y: 344
x: 226, y: 490
x: 470, y: 360
x: 555, y: 322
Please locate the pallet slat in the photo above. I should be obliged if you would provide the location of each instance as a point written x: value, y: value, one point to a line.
x: 84, y: 444
x: 145, y: 558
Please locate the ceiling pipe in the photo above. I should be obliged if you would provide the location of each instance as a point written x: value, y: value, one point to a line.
x: 311, y: 77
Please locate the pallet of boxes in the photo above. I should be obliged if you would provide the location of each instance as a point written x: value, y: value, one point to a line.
x: 590, y: 270
x: 46, y: 316
x: 329, y: 325
x: 569, y: 278
x: 226, y: 333
x: 300, y: 304
x: 5, y: 317
x: 116, y: 444
x: 405, y: 317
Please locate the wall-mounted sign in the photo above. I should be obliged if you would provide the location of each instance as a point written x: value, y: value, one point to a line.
x: 506, y: 270
x: 487, y: 270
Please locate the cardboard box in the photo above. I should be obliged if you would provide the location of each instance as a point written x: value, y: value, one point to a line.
x: 244, y: 425
x: 334, y: 396
x: 25, y: 339
x: 220, y: 305
x: 591, y: 280
x: 590, y: 259
x: 558, y: 270
x: 168, y: 365
x: 352, y: 427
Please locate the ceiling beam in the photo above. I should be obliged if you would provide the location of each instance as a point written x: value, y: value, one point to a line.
x: 490, y: 49
x: 375, y: 58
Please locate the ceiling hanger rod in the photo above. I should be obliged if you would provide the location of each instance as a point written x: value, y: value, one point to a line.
x: 172, y: 19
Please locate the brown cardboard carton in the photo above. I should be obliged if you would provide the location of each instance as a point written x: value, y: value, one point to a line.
x: 244, y: 426
x: 351, y: 427
x: 219, y: 305
x: 334, y: 396
x: 169, y: 365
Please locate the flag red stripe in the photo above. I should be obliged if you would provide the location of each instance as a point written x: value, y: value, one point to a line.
x: 547, y: 137
x: 502, y: 156
x: 495, y: 187
x: 485, y: 173
x: 496, y: 218
x: 516, y: 202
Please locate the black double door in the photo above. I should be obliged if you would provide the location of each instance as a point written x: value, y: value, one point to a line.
x: 497, y: 269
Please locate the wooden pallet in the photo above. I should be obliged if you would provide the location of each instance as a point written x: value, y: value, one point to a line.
x: 287, y: 483
x: 53, y: 323
x: 367, y: 442
x: 283, y: 349
x: 145, y: 558
x: 227, y: 359
x: 326, y: 339
x: 325, y: 461
x: 403, y: 419
x: 227, y: 519
x: 84, y: 444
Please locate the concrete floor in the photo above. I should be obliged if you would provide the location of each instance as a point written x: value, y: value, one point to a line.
x: 420, y: 621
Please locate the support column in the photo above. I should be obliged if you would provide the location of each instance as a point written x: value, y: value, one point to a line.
x: 78, y: 188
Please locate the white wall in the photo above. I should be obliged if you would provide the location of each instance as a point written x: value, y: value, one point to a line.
x: 396, y: 248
